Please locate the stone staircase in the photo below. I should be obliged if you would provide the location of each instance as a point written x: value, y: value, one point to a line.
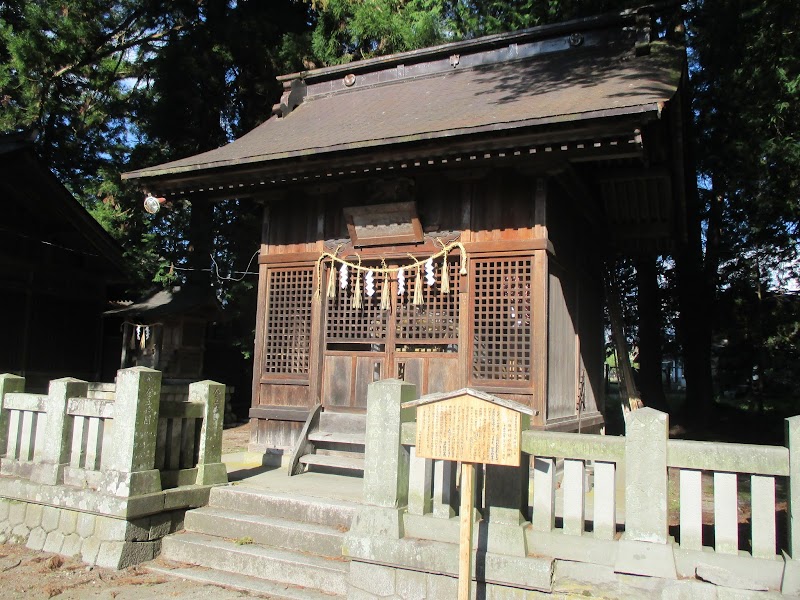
x: 333, y: 443
x: 286, y: 546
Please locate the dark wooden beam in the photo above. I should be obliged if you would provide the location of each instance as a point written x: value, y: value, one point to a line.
x: 279, y: 413
x: 586, y: 201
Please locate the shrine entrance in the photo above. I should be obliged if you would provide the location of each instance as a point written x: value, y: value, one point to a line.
x: 418, y: 343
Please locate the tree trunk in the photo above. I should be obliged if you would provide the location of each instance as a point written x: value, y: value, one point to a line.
x: 628, y: 392
x: 650, y: 355
x: 696, y: 295
x: 695, y: 292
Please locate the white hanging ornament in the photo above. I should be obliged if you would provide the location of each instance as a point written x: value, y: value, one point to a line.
x: 144, y: 333
x: 138, y: 332
x: 369, y: 283
x: 430, y: 278
x: 401, y: 282
x: 343, y: 277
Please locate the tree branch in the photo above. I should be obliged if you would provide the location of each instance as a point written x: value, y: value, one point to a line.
x: 119, y: 48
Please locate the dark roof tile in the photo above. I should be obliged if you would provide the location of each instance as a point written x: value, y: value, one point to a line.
x: 570, y: 85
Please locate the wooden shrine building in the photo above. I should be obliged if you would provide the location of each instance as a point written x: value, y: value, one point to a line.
x: 58, y: 270
x: 515, y: 162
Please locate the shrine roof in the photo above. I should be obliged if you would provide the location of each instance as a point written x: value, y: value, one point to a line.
x: 191, y: 300
x: 38, y: 210
x: 542, y: 78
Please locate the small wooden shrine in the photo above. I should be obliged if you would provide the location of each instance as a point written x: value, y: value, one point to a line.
x: 442, y: 216
x: 166, y: 330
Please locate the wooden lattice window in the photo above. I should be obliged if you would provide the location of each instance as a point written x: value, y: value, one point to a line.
x: 345, y: 324
x: 287, y: 339
x: 502, y: 319
x: 436, y: 319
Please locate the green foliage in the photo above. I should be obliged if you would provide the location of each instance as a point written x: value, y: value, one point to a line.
x: 745, y: 77
x: 65, y: 71
x: 347, y: 30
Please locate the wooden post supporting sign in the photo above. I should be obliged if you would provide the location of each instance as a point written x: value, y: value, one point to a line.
x: 465, y: 530
x: 473, y: 428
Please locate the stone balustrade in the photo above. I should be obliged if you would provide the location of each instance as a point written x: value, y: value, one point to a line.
x: 106, y: 477
x: 582, y: 514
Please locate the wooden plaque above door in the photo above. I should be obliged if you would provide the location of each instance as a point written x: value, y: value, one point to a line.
x: 383, y: 224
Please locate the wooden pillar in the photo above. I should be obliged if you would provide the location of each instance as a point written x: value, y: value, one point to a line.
x: 539, y: 298
x: 261, y: 313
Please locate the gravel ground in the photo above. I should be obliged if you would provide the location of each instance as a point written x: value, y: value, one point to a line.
x: 29, y: 575
x: 235, y: 439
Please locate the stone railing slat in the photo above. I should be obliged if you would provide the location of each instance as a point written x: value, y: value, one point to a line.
x: 26, y: 402
x: 544, y: 497
x: 91, y: 407
x: 733, y: 458
x: 568, y: 445
x: 762, y: 506
x: 605, y: 500
x: 574, y: 496
x: 445, y: 499
x: 94, y: 443
x: 78, y: 452
x: 726, y: 513
x: 420, y: 479
x: 691, y: 509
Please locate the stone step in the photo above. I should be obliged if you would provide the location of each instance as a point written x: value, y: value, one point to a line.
x: 339, y: 451
x: 294, y: 507
x: 334, y: 437
x: 346, y: 463
x: 342, y: 422
x: 281, y: 533
x: 263, y: 562
x: 237, y: 581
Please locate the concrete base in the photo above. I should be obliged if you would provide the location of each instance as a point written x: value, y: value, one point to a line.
x: 370, y: 581
x: 759, y: 573
x: 791, y: 577
x: 442, y: 559
x: 125, y: 485
x: 644, y: 558
x: 570, y: 580
x: 100, y: 540
x: 212, y: 474
x: 89, y: 500
x: 107, y: 530
x: 375, y: 520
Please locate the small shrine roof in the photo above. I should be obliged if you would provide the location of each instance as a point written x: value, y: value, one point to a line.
x: 187, y: 300
x: 432, y: 398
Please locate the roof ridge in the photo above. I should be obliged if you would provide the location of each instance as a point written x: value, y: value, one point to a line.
x: 481, y: 44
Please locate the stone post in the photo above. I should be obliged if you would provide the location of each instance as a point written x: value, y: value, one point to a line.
x: 210, y: 468
x: 131, y: 464
x: 791, y: 573
x: 8, y: 384
x: 386, y: 460
x: 506, y: 495
x: 58, y: 430
x: 645, y: 548
x: 646, y: 433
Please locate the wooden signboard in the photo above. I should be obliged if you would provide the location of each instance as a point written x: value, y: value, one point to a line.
x: 469, y: 429
x: 472, y: 428
x: 383, y: 224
